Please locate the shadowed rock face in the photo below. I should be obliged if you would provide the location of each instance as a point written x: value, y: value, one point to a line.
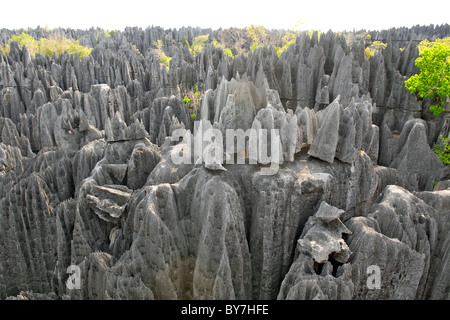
x: 336, y: 176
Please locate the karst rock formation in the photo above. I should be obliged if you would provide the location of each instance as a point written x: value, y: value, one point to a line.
x: 88, y: 177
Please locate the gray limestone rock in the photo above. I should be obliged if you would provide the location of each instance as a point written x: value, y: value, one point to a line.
x: 142, y: 161
x: 327, y: 135
x: 27, y: 258
x: 86, y: 159
x: 10, y: 136
x: 400, y: 267
x: 415, y: 159
x: 308, y: 123
x: 320, y: 270
x: 10, y: 160
x: 169, y: 169
x: 402, y: 216
x: 91, y: 173
x: 109, y: 202
x: 322, y: 236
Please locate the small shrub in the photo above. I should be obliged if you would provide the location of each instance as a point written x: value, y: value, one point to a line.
x: 257, y: 34
x: 288, y: 39
x: 226, y: 51
x: 198, y: 44
x: 4, y: 49
x: 55, y: 45
x: 186, y: 42
x: 162, y: 57
x: 186, y: 100
x: 443, y: 151
x: 376, y: 46
x: 193, y: 97
x: 136, y: 49
x: 110, y: 34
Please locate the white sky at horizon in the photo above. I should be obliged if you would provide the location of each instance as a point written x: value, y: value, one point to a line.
x: 337, y: 15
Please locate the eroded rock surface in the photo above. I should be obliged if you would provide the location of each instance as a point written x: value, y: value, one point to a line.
x: 333, y: 184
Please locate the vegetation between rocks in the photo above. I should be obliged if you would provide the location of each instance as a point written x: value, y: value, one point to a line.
x: 56, y: 44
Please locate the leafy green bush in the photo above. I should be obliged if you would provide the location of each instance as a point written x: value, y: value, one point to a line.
x: 226, y: 51
x: 443, y: 151
x: 287, y: 40
x: 55, y: 45
x: 257, y: 35
x: 433, y: 81
x: 426, y: 44
x: 193, y: 97
x: 110, y: 34
x: 162, y: 57
x: 376, y: 46
x: 198, y: 44
x: 136, y: 49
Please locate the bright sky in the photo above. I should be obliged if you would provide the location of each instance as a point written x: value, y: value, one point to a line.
x: 337, y: 15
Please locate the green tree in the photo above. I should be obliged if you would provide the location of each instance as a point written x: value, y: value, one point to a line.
x: 376, y: 46
x: 288, y: 39
x: 257, y: 34
x: 433, y: 81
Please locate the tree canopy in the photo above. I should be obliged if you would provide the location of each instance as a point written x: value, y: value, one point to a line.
x: 433, y: 81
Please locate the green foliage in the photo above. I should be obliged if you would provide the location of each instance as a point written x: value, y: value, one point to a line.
x: 226, y: 51
x: 376, y: 46
x: 55, y: 45
x: 254, y: 46
x: 426, y: 44
x: 437, y: 110
x: 433, y: 81
x: 443, y: 151
x: 24, y: 39
x: 4, y: 48
x: 186, y: 100
x: 136, y: 49
x: 110, y: 34
x: 257, y: 35
x: 288, y: 39
x: 198, y: 44
x: 73, y: 47
x: 298, y: 25
x: 311, y: 33
x: 186, y: 42
x: 216, y: 44
x: 193, y: 97
x: 162, y: 57
x: 365, y: 36
x: 197, y: 94
x: 159, y: 44
x: 165, y: 60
